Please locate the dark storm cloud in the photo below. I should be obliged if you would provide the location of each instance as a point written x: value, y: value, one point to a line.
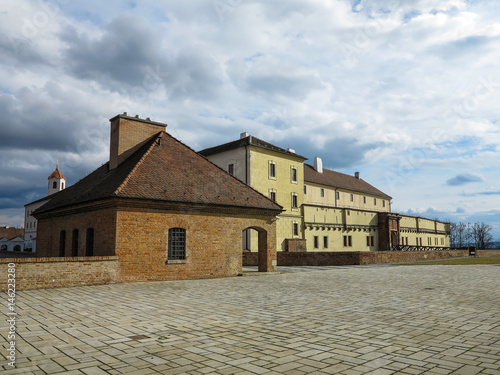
x: 341, y: 152
x: 134, y: 58
x: 30, y: 121
x: 463, y: 179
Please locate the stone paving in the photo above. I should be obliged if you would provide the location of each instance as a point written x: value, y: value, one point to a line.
x: 332, y: 320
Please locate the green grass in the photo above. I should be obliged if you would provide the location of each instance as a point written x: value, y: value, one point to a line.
x: 459, y: 261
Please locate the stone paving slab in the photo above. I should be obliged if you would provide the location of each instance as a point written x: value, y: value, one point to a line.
x: 328, y: 320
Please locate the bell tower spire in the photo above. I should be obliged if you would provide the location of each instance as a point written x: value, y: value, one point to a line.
x: 57, y: 181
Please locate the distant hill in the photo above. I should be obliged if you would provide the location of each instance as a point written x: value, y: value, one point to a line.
x: 494, y: 245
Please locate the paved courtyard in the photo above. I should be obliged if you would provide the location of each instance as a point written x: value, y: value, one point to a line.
x: 332, y: 320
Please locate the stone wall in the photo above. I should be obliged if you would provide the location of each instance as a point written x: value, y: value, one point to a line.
x: 39, y: 273
x: 295, y: 245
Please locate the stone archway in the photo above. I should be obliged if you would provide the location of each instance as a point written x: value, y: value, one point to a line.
x: 266, y: 257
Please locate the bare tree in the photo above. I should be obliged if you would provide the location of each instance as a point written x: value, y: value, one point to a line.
x: 459, y: 235
x: 481, y: 235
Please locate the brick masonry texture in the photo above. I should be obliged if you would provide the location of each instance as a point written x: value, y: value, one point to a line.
x: 40, y: 273
x: 361, y: 257
x: 295, y: 245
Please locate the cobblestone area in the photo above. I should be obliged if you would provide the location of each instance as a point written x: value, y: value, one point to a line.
x: 339, y: 320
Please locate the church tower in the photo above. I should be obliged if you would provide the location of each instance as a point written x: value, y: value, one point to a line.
x: 57, y: 181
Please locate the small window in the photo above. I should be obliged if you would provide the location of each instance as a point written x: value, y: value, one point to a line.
x: 337, y: 195
x: 305, y: 189
x: 62, y: 185
x: 295, y: 229
x: 347, y: 241
x: 62, y: 243
x: 89, y: 246
x: 294, y: 174
x: 272, y: 170
x: 74, y: 243
x: 325, y: 242
x: 364, y: 200
x: 348, y: 213
x: 383, y: 203
x: 54, y: 185
x: 316, y: 242
x: 322, y: 192
x: 352, y: 197
x: 295, y: 203
x: 374, y: 201
x: 367, y: 240
x: 273, y: 196
x: 176, y: 243
x: 230, y: 168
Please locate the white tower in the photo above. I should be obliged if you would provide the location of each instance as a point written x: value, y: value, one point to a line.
x: 57, y: 181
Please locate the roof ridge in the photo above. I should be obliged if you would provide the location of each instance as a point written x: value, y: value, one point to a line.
x: 234, y: 177
x: 158, y: 135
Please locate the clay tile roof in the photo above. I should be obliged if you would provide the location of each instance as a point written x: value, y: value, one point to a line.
x: 247, y: 141
x: 11, y: 232
x: 56, y: 174
x: 164, y: 169
x: 340, y: 180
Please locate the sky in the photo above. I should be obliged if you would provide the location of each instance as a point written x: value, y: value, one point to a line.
x: 405, y: 92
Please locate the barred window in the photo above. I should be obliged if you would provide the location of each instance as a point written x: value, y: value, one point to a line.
x: 176, y: 243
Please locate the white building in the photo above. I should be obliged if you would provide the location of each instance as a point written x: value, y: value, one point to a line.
x: 56, y: 183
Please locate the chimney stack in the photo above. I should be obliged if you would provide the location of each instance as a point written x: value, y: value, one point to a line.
x: 318, y: 164
x: 127, y: 135
x: 356, y: 174
x: 244, y: 135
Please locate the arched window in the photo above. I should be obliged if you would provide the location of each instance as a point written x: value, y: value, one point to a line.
x: 176, y: 243
x: 62, y: 243
x: 54, y: 185
x: 62, y: 185
x: 89, y: 248
x: 3, y: 248
x: 17, y: 248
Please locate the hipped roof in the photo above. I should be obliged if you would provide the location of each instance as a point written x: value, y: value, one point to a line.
x: 163, y: 169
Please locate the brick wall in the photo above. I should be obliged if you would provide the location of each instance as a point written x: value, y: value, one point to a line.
x: 295, y: 245
x: 344, y: 258
x: 38, y: 273
x: 102, y: 221
x: 213, y: 245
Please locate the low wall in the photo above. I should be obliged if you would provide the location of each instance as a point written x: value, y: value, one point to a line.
x: 39, y: 273
x: 345, y: 258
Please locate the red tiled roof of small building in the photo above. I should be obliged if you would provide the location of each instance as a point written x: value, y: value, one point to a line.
x: 340, y: 180
x: 57, y: 174
x: 164, y: 169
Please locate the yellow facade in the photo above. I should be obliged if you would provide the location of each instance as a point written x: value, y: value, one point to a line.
x: 329, y: 218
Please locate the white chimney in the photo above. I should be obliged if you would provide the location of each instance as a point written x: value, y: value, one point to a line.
x: 356, y: 174
x: 244, y: 135
x: 318, y: 164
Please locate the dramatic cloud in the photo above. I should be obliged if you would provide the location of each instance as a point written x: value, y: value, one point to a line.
x: 463, y: 179
x: 405, y: 92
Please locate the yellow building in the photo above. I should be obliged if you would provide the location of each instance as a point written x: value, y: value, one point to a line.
x: 324, y: 210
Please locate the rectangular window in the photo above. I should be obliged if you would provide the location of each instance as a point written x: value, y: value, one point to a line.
x: 367, y: 240
x: 74, y: 243
x: 352, y: 197
x: 364, y: 200
x: 272, y: 170
x: 325, y: 242
x: 273, y: 196
x: 294, y: 174
x: 322, y: 192
x: 337, y: 195
x: 305, y: 189
x: 383, y: 203
x: 373, y: 241
x: 89, y: 246
x: 295, y: 203
x: 295, y: 229
x: 176, y: 243
x: 230, y: 168
x: 374, y: 201
x: 347, y: 241
x: 316, y: 245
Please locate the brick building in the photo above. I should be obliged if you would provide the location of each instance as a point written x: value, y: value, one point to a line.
x: 165, y: 211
